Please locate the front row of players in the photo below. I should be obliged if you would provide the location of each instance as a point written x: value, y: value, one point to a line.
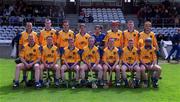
x: 129, y: 59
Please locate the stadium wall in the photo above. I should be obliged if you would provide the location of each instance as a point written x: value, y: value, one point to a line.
x: 5, y: 51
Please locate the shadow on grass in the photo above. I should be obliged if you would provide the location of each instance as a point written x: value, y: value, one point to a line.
x: 5, y: 90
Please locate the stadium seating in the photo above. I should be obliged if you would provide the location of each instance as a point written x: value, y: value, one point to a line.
x: 165, y: 30
x: 7, y: 33
x: 105, y: 14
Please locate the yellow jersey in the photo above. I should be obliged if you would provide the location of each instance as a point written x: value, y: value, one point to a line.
x: 63, y: 38
x: 130, y: 36
x: 130, y: 56
x: 144, y: 36
x: 44, y: 34
x: 110, y: 56
x: 71, y: 56
x: 30, y: 54
x: 90, y: 55
x: 24, y: 38
x: 148, y: 55
x: 117, y: 36
x: 81, y: 41
x: 50, y: 55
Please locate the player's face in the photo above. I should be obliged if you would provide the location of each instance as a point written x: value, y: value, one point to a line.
x: 130, y: 43
x: 91, y: 42
x: 114, y: 27
x: 29, y: 26
x: 147, y: 27
x: 83, y: 29
x: 130, y: 25
x: 97, y: 30
x: 71, y: 42
x: 111, y: 42
x: 48, y: 24
x: 49, y: 41
x: 31, y: 40
x: 148, y: 43
x: 66, y: 26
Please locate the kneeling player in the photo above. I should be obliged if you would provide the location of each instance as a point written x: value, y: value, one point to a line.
x: 148, y: 62
x: 111, y: 60
x: 130, y: 62
x: 71, y: 59
x: 50, y: 57
x: 30, y: 57
x: 91, y: 58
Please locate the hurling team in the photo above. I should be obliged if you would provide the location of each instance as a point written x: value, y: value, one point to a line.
x: 115, y: 51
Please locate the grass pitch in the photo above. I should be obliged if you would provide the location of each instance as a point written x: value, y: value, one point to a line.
x: 168, y: 91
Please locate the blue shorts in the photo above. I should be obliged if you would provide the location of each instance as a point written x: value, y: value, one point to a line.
x: 61, y: 50
x: 70, y: 64
x: 119, y: 51
x: 49, y: 63
x: 145, y: 63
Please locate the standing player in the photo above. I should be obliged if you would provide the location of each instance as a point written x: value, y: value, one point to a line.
x: 30, y: 58
x: 147, y: 33
x: 148, y: 62
x: 47, y: 31
x: 130, y: 62
x: 111, y: 61
x: 24, y: 35
x: 71, y: 60
x: 116, y: 34
x: 99, y: 36
x: 130, y: 33
x: 50, y: 57
x: 91, y: 59
x: 64, y: 35
x: 81, y: 39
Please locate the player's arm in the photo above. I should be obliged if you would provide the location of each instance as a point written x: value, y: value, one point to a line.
x: 117, y: 60
x: 38, y: 55
x: 105, y: 59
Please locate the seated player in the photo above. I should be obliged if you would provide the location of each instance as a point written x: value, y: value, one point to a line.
x: 50, y: 57
x: 130, y: 62
x: 30, y: 57
x: 91, y: 59
x: 81, y: 39
x: 148, y: 62
x: 71, y: 59
x: 111, y: 61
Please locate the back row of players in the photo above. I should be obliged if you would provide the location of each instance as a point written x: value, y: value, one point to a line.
x: 115, y: 51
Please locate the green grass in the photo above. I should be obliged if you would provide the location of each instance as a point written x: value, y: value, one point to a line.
x: 169, y: 90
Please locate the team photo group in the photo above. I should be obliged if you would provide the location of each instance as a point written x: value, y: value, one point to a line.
x: 115, y: 58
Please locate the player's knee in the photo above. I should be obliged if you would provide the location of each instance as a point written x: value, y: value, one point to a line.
x: 124, y: 68
x: 137, y: 69
x: 18, y: 66
x: 117, y: 68
x: 77, y: 68
x: 63, y: 68
x: 105, y: 68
